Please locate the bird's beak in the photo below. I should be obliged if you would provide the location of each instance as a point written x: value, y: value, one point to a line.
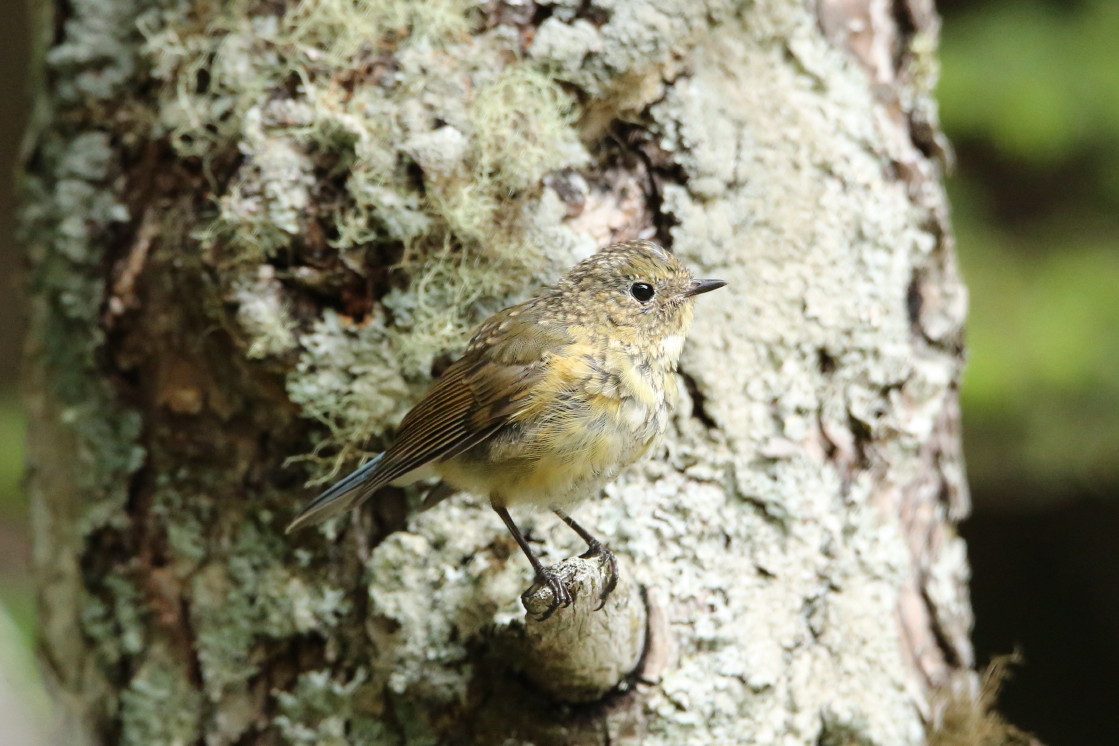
x: 702, y: 286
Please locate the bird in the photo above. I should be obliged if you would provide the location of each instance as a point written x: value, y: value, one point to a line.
x: 552, y: 398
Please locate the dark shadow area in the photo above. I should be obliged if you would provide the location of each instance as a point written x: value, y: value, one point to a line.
x: 1045, y: 583
x: 15, y: 50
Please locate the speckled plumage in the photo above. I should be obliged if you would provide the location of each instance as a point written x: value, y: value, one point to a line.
x: 553, y: 396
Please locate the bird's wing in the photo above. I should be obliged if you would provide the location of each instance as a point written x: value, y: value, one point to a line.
x: 478, y: 393
x: 474, y: 397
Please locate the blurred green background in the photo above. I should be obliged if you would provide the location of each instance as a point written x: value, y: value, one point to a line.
x: 1030, y: 99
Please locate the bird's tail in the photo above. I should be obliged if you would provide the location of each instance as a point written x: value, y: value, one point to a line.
x: 346, y: 493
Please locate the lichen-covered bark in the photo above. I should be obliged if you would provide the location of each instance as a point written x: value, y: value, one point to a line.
x: 259, y: 229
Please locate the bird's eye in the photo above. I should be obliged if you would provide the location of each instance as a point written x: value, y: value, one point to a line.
x: 643, y: 291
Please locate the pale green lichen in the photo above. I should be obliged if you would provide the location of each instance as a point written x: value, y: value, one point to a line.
x: 97, y: 54
x: 322, y: 711
x: 264, y: 315
x: 349, y: 378
x: 115, y: 619
x: 62, y: 223
x: 160, y: 705
x: 248, y: 595
x: 266, y: 205
x: 186, y: 518
x: 475, y: 241
x: 212, y: 76
x: 72, y: 217
x: 338, y: 31
x: 331, y: 107
x: 521, y: 126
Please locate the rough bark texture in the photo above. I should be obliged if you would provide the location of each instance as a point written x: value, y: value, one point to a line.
x: 259, y: 228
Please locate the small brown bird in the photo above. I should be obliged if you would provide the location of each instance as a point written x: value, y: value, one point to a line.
x: 552, y: 398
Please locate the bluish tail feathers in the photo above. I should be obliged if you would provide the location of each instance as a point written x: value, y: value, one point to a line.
x: 346, y: 493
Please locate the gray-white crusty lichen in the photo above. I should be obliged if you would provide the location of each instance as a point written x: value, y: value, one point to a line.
x: 624, y: 60
x: 824, y: 244
x: 444, y: 558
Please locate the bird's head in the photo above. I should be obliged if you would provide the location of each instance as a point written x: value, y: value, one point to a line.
x: 638, y: 289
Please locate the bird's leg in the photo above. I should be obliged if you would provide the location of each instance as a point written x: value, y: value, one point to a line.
x: 595, y: 548
x: 561, y: 596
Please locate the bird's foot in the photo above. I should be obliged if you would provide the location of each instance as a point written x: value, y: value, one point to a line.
x: 598, y: 550
x: 561, y: 594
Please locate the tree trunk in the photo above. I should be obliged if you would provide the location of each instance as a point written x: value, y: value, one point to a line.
x: 258, y: 230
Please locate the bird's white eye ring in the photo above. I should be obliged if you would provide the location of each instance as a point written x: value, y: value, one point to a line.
x: 642, y: 291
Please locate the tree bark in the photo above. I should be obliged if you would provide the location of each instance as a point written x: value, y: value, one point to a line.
x: 259, y: 229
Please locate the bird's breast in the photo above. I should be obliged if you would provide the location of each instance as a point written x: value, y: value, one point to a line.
x: 597, y: 413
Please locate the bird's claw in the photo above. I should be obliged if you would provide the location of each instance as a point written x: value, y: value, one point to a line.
x: 561, y: 594
x: 598, y: 550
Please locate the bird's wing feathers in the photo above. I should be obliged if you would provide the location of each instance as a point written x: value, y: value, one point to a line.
x: 476, y: 395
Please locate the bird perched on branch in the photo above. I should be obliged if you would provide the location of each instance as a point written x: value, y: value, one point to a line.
x: 552, y: 398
